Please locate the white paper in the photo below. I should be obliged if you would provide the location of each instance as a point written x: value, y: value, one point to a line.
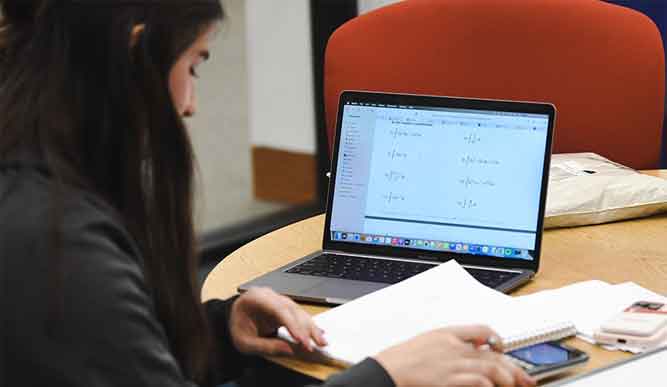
x: 443, y: 296
x: 448, y: 295
x: 589, y: 304
x: 646, y: 372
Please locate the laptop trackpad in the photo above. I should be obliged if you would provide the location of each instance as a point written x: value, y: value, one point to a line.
x: 343, y: 289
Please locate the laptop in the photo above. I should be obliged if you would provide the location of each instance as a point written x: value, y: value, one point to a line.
x: 418, y: 180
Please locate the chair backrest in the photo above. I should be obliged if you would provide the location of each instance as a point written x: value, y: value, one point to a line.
x: 601, y: 65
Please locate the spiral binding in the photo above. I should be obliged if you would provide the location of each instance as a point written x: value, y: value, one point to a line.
x: 554, y: 332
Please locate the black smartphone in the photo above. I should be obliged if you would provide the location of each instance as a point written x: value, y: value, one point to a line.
x: 543, y: 360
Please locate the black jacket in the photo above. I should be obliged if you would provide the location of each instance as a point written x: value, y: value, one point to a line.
x: 111, y: 334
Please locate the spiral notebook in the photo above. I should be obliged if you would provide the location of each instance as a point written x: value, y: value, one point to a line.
x: 443, y: 296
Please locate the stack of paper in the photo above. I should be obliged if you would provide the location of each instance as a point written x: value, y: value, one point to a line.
x: 447, y: 295
x: 443, y: 296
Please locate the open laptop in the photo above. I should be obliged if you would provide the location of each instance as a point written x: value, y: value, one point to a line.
x: 419, y: 180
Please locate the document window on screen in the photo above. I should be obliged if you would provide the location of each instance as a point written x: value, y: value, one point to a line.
x: 460, y: 180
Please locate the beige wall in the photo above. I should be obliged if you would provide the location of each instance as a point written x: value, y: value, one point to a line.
x: 369, y: 5
x: 220, y: 132
x: 257, y: 92
x: 280, y: 75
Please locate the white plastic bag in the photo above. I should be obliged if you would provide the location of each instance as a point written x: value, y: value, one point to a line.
x: 586, y: 188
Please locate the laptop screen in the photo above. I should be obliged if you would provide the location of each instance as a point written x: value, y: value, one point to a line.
x: 439, y: 179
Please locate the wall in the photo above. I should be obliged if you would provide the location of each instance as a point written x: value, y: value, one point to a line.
x: 280, y: 100
x: 369, y: 5
x: 280, y: 75
x: 219, y: 130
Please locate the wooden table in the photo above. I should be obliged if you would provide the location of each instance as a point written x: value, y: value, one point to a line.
x: 634, y: 250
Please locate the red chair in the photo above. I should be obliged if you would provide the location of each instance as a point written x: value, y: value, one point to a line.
x: 601, y: 65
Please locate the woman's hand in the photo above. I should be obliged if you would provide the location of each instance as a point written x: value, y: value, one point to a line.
x: 451, y: 357
x: 258, y: 313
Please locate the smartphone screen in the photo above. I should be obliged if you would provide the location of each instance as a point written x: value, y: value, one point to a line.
x: 542, y: 354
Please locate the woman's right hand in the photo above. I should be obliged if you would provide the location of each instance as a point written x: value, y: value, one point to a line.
x: 451, y: 357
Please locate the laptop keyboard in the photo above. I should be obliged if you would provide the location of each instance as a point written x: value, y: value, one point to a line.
x: 382, y: 270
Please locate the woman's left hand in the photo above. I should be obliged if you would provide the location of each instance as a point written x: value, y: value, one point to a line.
x: 258, y: 313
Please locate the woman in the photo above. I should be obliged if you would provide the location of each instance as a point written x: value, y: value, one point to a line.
x: 96, y: 235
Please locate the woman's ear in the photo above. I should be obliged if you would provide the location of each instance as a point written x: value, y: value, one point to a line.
x: 136, y: 33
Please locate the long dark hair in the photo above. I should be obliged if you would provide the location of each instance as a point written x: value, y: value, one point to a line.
x: 95, y: 106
